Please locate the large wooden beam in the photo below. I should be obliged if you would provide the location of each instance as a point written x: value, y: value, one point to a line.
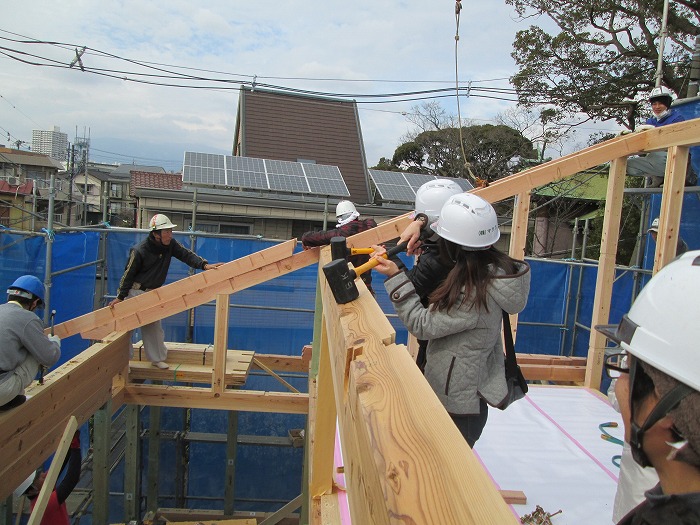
x: 606, y: 270
x: 404, y: 457
x: 681, y: 134
x: 30, y: 433
x: 192, y: 397
x: 143, y: 306
x: 671, y: 207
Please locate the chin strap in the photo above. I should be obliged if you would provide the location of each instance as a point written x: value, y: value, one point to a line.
x: 662, y: 408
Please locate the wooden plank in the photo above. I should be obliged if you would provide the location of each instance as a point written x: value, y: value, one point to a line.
x: 31, y: 432
x: 192, y: 397
x: 54, y: 470
x: 555, y: 373
x: 274, y: 375
x: 178, y: 373
x: 518, y: 241
x: 606, y: 270
x: 283, y: 363
x: 671, y: 207
x: 324, y: 423
x: 150, y: 306
x: 330, y: 510
x: 218, y: 381
x: 682, y: 134
x: 513, y: 497
x: 244, y: 521
x: 544, y: 359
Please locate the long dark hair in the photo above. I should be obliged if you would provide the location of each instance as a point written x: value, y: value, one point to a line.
x: 472, y: 273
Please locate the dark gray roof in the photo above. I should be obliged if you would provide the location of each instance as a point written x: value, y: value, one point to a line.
x: 124, y: 170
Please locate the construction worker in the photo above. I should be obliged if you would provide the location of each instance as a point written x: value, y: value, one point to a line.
x: 653, y: 164
x: 23, y: 345
x: 56, y: 512
x: 653, y: 231
x: 465, y: 362
x: 349, y: 223
x: 658, y: 390
x: 429, y: 269
x: 147, y: 269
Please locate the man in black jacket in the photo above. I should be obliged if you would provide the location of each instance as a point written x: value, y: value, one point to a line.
x: 147, y: 269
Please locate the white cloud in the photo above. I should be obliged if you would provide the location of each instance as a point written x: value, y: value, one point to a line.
x: 363, y: 40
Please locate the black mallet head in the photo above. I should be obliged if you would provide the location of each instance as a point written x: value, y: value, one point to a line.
x: 341, y: 280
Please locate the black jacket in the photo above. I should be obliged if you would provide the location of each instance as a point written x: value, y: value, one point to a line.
x: 659, y: 509
x: 149, y: 262
x: 323, y: 238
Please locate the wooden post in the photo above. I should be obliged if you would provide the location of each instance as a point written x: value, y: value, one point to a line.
x: 54, y: 470
x: 100, y: 460
x: 231, y: 452
x: 218, y: 378
x: 606, y: 270
x: 153, y: 459
x: 518, y: 238
x: 132, y: 464
x: 671, y: 206
x: 323, y: 445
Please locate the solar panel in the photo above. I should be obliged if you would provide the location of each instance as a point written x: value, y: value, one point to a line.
x: 263, y: 174
x: 325, y: 180
x: 400, y: 186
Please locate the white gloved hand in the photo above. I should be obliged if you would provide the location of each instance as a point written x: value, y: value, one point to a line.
x: 644, y: 127
x: 55, y: 339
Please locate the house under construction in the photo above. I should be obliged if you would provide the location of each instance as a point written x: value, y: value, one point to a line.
x: 378, y: 446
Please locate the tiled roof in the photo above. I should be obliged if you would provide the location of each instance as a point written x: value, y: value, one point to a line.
x: 146, y: 179
x: 23, y: 189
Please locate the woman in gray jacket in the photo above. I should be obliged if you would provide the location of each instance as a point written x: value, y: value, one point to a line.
x: 463, y: 321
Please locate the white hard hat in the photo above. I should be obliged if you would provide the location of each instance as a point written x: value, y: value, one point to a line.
x: 468, y: 220
x: 344, y: 207
x: 661, y: 328
x: 24, y: 485
x: 161, y: 222
x: 662, y: 94
x: 432, y: 195
x: 654, y: 226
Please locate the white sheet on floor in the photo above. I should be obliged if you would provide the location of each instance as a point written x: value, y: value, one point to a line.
x: 548, y: 445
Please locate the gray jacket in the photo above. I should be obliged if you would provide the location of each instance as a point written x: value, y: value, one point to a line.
x: 465, y: 353
x: 21, y: 334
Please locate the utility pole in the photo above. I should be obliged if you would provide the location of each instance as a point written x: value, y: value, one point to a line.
x: 71, y: 174
x: 662, y: 42
x: 85, y: 189
x: 694, y: 70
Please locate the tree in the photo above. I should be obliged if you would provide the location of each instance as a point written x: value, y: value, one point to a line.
x: 602, y: 61
x: 543, y: 127
x: 492, y: 151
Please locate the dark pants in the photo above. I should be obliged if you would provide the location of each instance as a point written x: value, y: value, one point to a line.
x: 472, y: 425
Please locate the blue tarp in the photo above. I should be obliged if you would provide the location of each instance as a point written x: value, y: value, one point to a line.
x: 271, y: 327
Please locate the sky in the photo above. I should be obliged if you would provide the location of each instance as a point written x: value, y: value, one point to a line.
x: 365, y: 47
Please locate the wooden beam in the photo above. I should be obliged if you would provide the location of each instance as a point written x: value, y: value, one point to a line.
x: 193, y: 397
x: 554, y: 373
x: 141, y: 309
x: 218, y: 380
x: 54, y: 470
x: 606, y: 270
x: 330, y: 510
x: 671, y: 207
x: 518, y: 240
x: 682, y: 134
x: 403, y: 454
x: 274, y: 375
x: 30, y: 433
x: 322, y: 445
x: 282, y: 363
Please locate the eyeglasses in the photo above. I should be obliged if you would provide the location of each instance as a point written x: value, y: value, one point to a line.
x: 616, y: 364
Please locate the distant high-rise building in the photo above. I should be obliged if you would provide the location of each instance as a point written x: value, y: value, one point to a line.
x: 51, y: 143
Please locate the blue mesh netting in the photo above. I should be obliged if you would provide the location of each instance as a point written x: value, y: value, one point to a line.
x: 71, y: 293
x: 272, y: 327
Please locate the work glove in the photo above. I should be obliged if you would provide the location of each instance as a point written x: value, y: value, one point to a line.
x: 76, y: 440
x: 643, y: 127
x: 55, y: 339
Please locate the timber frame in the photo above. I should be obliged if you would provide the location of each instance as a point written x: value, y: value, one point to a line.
x: 404, y: 459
